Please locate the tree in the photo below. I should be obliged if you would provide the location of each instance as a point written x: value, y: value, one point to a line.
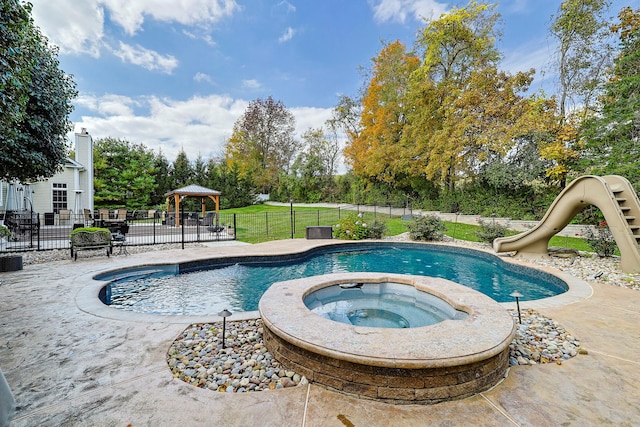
x: 123, y: 174
x: 237, y: 191
x: 35, y: 98
x: 262, y: 144
x: 182, y: 171
x: 583, y: 52
x: 199, y: 170
x: 375, y: 151
x: 612, y: 136
x: 345, y: 117
x: 162, y: 178
x: 465, y: 112
x: 312, y: 171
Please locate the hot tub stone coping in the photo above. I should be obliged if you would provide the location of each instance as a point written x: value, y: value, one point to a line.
x: 487, y: 330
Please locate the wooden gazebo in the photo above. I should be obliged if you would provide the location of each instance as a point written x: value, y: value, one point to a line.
x: 192, y: 191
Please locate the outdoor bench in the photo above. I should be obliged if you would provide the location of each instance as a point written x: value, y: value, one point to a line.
x: 84, y: 240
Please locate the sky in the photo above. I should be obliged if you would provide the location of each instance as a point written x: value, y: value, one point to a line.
x: 177, y: 74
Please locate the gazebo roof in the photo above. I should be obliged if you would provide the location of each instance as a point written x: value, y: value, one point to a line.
x: 193, y: 190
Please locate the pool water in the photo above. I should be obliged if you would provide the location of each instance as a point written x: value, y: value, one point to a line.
x: 239, y: 287
x: 380, y: 305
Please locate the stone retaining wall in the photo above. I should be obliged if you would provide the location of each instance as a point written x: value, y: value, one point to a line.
x: 393, y: 385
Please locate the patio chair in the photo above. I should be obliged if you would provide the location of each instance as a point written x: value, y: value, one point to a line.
x: 209, y: 219
x: 121, y: 214
x: 64, y: 216
x: 104, y: 213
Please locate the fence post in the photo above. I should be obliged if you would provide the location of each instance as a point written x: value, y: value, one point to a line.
x: 291, y: 215
x: 266, y: 222
x: 182, y: 222
x: 235, y: 228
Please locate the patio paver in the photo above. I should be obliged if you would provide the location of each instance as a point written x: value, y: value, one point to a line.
x: 68, y: 366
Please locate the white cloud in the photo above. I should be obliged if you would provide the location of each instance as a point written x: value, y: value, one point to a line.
x: 251, y: 84
x: 130, y: 15
x: 398, y: 10
x: 146, y: 58
x: 286, y: 7
x: 202, y: 77
x: 77, y: 27
x: 205, y: 37
x: 201, y: 124
x: 287, y: 35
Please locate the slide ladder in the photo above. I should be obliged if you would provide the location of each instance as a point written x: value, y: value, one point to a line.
x: 612, y: 194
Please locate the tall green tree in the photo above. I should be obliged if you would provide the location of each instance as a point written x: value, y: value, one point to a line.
x: 199, y: 170
x: 313, y: 170
x: 263, y: 144
x: 35, y: 98
x: 583, y: 53
x: 613, y: 135
x: 236, y: 190
x: 182, y: 173
x: 162, y: 177
x: 123, y: 174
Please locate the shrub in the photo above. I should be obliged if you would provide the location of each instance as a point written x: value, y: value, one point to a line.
x: 5, y: 232
x: 426, y: 228
x: 601, y: 240
x: 377, y: 229
x: 353, y: 227
x: 489, y: 231
x: 90, y: 229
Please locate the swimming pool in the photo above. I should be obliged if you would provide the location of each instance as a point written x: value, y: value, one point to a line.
x: 237, y: 283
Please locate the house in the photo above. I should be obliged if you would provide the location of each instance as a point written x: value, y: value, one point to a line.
x: 71, y: 189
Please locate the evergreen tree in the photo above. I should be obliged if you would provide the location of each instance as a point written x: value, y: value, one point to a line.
x: 613, y: 136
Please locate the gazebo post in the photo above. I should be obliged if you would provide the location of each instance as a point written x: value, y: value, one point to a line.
x: 176, y: 197
x: 192, y: 191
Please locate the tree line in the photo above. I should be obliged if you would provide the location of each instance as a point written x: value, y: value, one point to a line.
x: 444, y: 124
x: 438, y: 125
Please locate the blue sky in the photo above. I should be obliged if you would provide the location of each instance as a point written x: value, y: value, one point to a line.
x: 175, y: 74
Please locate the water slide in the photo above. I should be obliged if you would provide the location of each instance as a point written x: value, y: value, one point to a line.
x: 612, y: 194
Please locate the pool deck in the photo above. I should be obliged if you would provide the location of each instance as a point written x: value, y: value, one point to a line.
x: 70, y: 365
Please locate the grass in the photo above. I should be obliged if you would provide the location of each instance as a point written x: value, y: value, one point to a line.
x: 260, y: 223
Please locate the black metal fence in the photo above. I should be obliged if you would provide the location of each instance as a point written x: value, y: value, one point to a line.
x: 35, y: 231
x: 39, y: 232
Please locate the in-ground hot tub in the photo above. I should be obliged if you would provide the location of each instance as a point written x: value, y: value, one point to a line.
x: 455, y: 357
x: 383, y: 305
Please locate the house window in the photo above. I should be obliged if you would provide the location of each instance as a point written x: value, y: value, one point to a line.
x: 59, y: 197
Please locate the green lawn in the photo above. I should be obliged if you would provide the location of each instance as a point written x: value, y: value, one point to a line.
x: 260, y: 223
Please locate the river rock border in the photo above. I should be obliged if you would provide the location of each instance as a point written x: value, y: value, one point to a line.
x: 197, y: 357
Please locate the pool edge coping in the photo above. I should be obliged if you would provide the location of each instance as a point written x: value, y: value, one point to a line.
x: 87, y: 297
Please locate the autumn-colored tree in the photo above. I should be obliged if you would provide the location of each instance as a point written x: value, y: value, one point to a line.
x: 560, y: 149
x: 374, y: 153
x: 262, y: 144
x: 465, y: 111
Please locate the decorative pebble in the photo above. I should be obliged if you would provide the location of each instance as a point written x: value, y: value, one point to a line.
x: 540, y: 340
x: 243, y: 367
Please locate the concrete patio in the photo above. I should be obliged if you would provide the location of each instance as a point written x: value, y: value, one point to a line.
x: 71, y: 362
